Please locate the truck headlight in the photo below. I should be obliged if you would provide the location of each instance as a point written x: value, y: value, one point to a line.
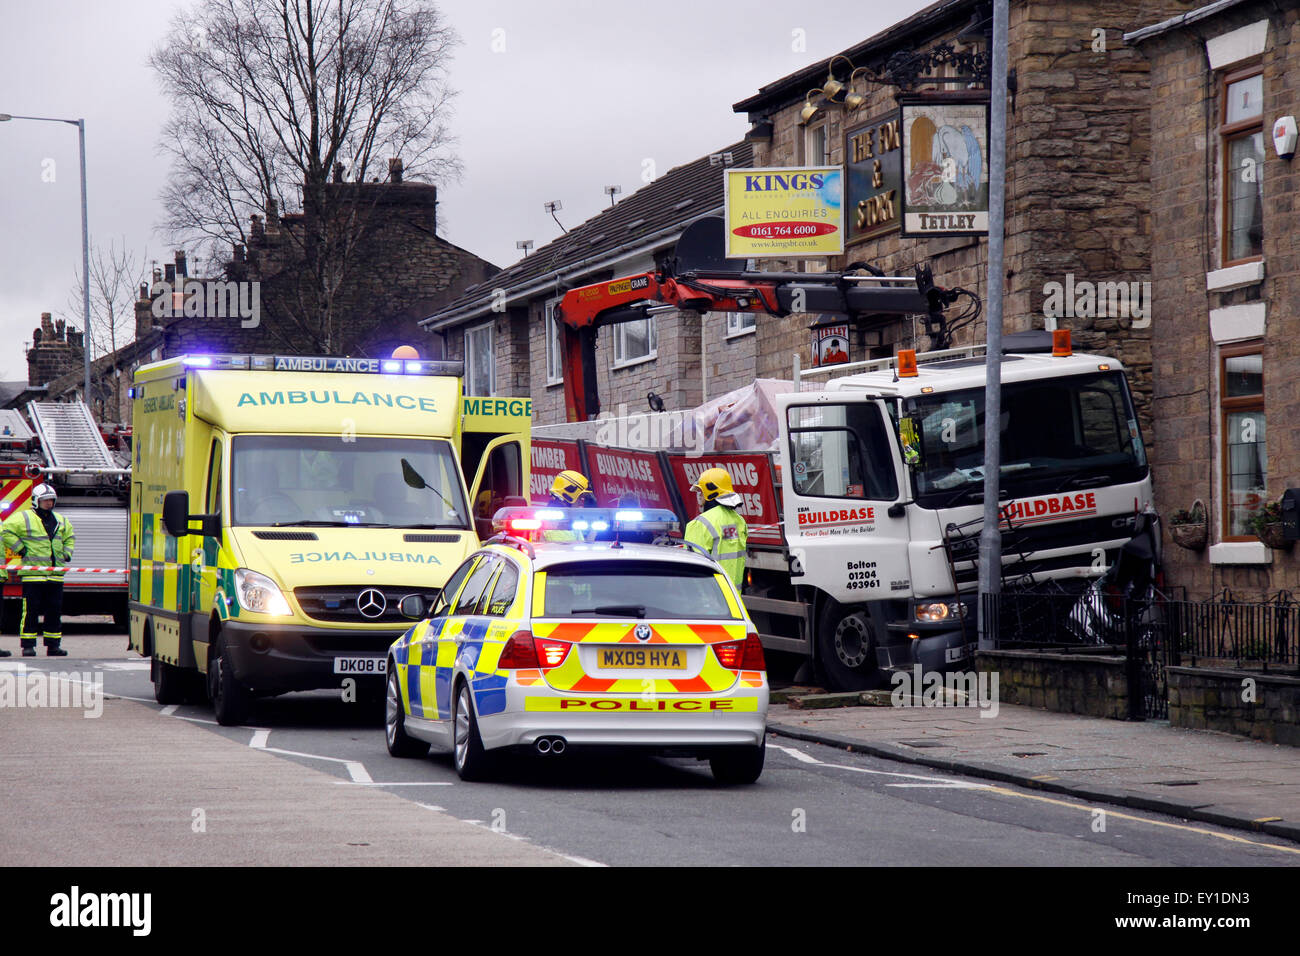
x: 932, y: 611
x: 256, y: 592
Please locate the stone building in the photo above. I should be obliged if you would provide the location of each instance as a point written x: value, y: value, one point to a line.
x: 1077, y: 190
x: 505, y: 332
x: 1226, y: 282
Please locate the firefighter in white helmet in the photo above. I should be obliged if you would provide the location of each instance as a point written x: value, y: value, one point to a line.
x: 719, y: 528
x: 43, y: 539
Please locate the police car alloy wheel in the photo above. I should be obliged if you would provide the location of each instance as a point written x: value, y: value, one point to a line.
x: 469, y: 755
x: 399, y: 743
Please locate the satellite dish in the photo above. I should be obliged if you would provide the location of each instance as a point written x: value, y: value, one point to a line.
x: 702, y: 247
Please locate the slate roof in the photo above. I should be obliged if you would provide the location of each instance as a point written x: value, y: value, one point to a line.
x: 654, y: 212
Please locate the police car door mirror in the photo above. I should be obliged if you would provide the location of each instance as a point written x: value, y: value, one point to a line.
x: 412, y: 607
x: 176, y: 513
x: 411, y: 476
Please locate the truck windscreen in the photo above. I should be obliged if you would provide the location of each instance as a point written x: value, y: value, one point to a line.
x: 324, y: 480
x: 1057, y: 434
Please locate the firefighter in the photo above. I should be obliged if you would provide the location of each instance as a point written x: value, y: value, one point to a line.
x: 568, y: 490
x: 720, y: 530
x: 41, y: 537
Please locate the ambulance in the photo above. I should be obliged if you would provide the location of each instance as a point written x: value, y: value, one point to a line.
x: 283, y: 506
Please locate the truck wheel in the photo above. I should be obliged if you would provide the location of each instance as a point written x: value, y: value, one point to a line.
x: 399, y: 744
x: 846, y: 649
x: 170, y: 683
x: 738, y: 764
x: 231, y: 701
x: 468, y: 754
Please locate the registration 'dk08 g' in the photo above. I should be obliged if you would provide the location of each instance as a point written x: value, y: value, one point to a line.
x: 581, y: 629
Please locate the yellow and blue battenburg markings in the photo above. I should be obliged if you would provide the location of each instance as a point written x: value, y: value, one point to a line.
x: 426, y: 659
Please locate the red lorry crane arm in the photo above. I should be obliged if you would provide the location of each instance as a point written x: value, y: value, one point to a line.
x: 583, y: 311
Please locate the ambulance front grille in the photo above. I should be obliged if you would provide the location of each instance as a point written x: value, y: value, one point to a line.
x: 285, y: 535
x: 338, y: 603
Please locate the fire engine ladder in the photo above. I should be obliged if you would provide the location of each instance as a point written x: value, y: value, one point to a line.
x: 69, y: 437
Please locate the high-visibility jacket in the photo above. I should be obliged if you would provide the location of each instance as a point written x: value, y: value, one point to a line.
x: 723, y: 533
x: 24, y: 533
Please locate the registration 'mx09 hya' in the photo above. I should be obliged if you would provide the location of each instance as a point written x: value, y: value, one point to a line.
x: 581, y: 628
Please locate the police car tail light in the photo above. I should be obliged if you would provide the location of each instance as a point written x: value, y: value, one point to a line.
x: 753, y: 659
x: 518, y: 652
x: 730, y: 654
x: 551, y: 653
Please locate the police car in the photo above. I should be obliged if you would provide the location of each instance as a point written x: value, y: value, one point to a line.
x: 543, y: 646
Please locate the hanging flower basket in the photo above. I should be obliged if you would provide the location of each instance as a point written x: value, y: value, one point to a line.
x: 1189, y: 529
x: 1267, y: 525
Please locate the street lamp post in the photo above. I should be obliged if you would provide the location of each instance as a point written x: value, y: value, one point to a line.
x: 85, y: 239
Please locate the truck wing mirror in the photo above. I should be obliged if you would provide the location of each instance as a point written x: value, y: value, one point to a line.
x: 177, y: 517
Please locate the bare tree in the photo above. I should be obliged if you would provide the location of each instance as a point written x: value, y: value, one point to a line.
x: 115, y: 278
x: 269, y: 97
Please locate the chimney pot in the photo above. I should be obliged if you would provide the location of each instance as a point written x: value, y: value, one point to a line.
x: 338, y: 172
x: 169, y: 273
x: 395, y: 169
x: 182, y: 269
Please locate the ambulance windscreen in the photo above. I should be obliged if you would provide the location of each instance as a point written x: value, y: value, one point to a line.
x: 1057, y: 435
x: 317, y: 480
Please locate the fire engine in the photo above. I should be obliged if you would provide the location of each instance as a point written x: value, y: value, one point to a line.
x: 60, y: 443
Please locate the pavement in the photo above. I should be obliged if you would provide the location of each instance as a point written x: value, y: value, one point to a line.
x: 1194, y: 774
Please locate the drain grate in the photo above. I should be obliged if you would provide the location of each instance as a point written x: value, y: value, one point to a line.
x: 922, y: 744
x: 1177, y: 783
x: 1028, y: 753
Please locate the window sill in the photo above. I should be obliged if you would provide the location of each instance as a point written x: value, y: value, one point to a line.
x: 1235, y: 277
x: 550, y: 384
x: 1240, y: 552
x: 618, y: 366
x: 741, y: 334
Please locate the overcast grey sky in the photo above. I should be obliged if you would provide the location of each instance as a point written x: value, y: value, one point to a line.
x: 582, y: 94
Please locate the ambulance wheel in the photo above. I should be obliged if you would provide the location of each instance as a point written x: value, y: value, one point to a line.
x: 231, y: 701
x: 170, y: 685
x: 738, y: 765
x: 470, y: 758
x: 399, y: 744
x: 10, y: 612
x: 846, y: 649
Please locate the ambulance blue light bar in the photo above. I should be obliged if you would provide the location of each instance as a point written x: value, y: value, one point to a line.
x: 325, y: 363
x: 522, y: 520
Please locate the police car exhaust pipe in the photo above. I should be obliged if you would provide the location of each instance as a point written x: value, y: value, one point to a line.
x: 558, y: 745
x: 543, y: 745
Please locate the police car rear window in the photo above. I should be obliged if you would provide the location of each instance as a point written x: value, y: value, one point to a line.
x: 635, y: 589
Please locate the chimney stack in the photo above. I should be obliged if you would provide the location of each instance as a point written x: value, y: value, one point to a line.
x: 395, y: 170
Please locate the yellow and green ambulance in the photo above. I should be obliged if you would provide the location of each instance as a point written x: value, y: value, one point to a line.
x: 282, y: 506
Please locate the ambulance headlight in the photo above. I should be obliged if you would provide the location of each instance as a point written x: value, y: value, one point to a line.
x: 258, y: 593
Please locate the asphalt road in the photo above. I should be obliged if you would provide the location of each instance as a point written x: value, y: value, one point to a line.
x: 813, y: 805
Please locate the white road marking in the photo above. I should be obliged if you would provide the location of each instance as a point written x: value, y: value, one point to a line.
x: 355, y: 770
x: 125, y: 665
x: 380, y: 783
x: 259, y: 739
x: 927, y: 780
x: 942, y: 785
x: 169, y: 710
x: 16, y: 666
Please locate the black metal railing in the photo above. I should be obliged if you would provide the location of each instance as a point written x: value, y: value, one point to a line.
x: 1160, y: 630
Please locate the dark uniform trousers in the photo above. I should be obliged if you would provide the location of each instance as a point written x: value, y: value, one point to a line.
x: 42, y: 601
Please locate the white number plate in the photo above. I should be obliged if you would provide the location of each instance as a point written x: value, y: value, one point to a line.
x: 360, y: 665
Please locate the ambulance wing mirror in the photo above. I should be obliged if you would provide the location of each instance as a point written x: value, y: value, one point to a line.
x: 177, y: 517
x: 412, y: 607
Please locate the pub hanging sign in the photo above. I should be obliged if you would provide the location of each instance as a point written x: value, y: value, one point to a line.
x: 945, y: 164
x: 872, y: 156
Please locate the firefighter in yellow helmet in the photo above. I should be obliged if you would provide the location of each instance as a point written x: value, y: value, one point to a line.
x: 41, y: 538
x: 719, y: 529
x: 568, y: 490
